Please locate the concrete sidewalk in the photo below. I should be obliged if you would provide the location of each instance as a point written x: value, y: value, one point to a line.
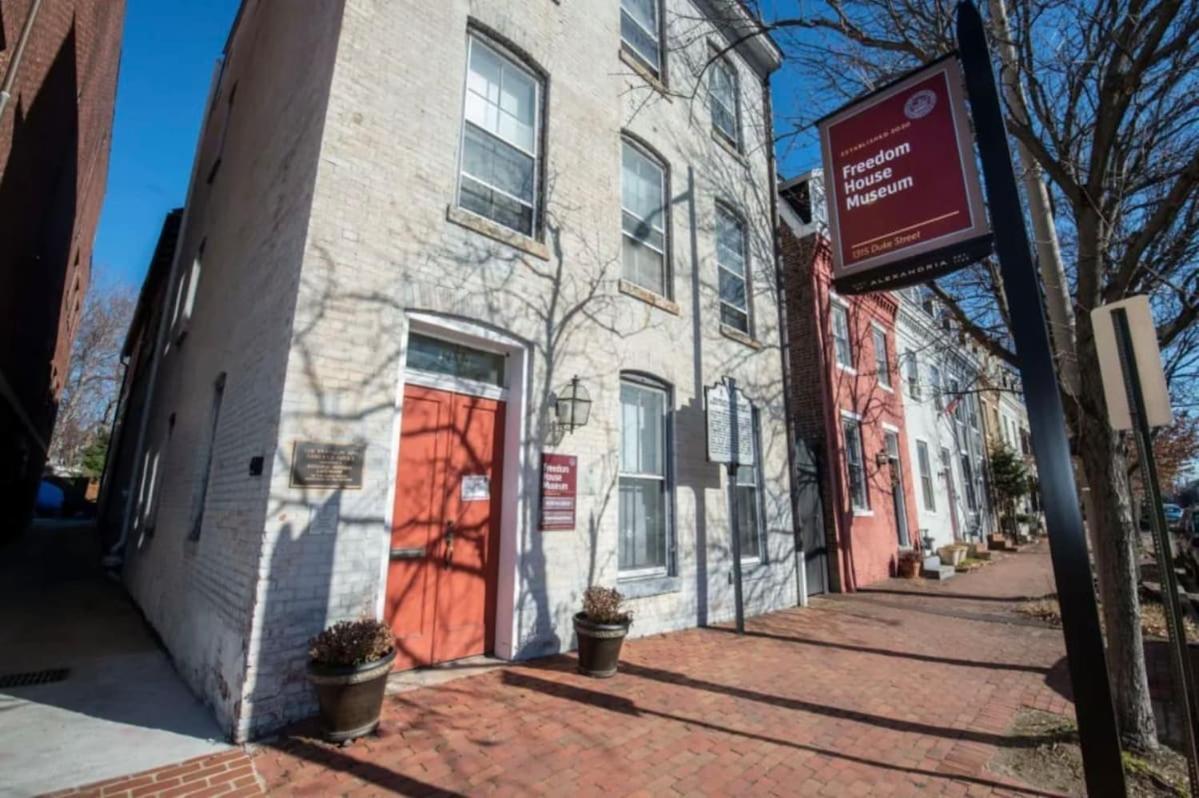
x: 121, y: 708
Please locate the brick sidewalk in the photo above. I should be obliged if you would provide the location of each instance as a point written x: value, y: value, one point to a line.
x: 906, y: 688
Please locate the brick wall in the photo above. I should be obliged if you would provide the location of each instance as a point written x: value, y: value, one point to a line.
x: 54, y: 143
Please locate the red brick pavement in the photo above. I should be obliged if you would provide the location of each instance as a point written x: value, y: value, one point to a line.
x: 905, y: 689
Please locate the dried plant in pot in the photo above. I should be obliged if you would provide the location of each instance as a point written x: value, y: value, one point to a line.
x: 908, y: 565
x: 348, y: 664
x: 601, y: 628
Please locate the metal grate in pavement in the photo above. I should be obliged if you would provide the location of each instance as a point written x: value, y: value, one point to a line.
x: 31, y: 678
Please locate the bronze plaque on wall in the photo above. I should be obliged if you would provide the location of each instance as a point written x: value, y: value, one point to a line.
x: 327, y: 465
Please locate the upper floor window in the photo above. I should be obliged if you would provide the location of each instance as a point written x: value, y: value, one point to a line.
x: 722, y: 90
x: 641, y: 32
x: 644, y: 544
x: 643, y: 218
x: 500, y: 139
x: 223, y: 135
x: 934, y: 379
x: 882, y: 362
x: 841, y: 341
x: 730, y: 268
x: 926, y: 476
x: 912, y: 366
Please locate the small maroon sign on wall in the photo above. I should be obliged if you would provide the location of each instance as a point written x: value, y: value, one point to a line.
x: 559, y: 490
x: 902, y: 187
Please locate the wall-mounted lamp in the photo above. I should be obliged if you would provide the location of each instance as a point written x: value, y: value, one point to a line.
x: 572, y: 406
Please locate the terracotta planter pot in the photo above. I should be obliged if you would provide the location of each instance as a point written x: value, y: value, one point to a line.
x: 350, y: 697
x: 908, y: 567
x: 599, y: 646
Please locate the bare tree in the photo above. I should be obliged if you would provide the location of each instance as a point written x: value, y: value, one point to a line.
x: 1104, y: 109
x: 94, y: 376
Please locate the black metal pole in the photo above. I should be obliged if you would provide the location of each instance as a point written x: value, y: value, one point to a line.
x: 1179, y: 659
x: 1097, y: 730
x: 735, y: 526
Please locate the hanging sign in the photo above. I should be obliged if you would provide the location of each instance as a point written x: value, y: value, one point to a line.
x: 559, y: 491
x: 723, y: 424
x: 904, y: 202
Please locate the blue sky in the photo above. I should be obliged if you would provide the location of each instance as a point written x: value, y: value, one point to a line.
x: 167, y: 56
x: 169, y: 50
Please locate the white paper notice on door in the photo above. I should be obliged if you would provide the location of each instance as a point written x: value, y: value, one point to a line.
x: 475, y: 488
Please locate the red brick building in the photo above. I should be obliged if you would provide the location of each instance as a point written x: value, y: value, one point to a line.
x: 847, y: 410
x: 58, y: 75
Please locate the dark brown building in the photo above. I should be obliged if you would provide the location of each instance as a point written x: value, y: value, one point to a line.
x: 58, y: 75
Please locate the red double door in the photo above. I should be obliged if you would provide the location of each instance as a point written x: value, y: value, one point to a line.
x: 441, y: 582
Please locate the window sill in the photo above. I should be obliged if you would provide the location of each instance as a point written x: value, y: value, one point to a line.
x: 644, y: 73
x: 496, y: 232
x: 847, y: 369
x: 732, y: 333
x: 862, y: 513
x: 646, y: 586
x: 729, y: 147
x: 886, y: 388
x: 647, y: 296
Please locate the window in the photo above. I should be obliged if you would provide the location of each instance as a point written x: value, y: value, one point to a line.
x: 934, y: 377
x: 643, y: 219
x: 644, y: 481
x: 185, y: 297
x: 730, y: 260
x: 218, y: 393
x: 223, y: 135
x: 882, y: 362
x: 500, y: 140
x: 749, y: 502
x: 841, y: 342
x: 912, y: 367
x: 855, y: 463
x: 435, y: 356
x: 722, y: 90
x: 640, y: 32
x: 968, y: 482
x: 926, y: 477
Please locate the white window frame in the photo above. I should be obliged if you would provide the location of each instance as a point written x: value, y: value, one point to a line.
x: 758, y: 494
x: 739, y: 220
x: 733, y: 138
x: 855, y: 419
x: 883, y: 377
x: 912, y: 374
x: 656, y: 35
x: 837, y: 303
x: 928, y: 485
x: 473, y: 38
x: 664, y: 189
x: 667, y: 478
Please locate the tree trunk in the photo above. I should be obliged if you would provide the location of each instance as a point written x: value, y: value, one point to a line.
x: 1113, y: 537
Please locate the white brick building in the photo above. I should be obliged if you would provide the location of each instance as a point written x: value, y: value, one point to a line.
x: 372, y: 171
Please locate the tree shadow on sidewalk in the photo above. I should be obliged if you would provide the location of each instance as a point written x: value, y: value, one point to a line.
x: 327, y: 757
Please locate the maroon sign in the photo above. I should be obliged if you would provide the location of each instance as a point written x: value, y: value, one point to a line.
x: 559, y: 489
x: 901, y: 183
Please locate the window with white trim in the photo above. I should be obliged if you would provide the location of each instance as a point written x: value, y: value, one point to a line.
x: 855, y: 463
x: 214, y: 418
x: 723, y: 95
x: 912, y: 369
x: 749, y: 501
x: 501, y: 131
x: 934, y: 378
x: 644, y: 543
x: 641, y: 32
x: 882, y: 365
x: 643, y: 218
x: 731, y: 269
x: 841, y: 343
x: 926, y: 476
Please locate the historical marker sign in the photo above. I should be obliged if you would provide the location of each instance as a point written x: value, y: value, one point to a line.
x: 722, y: 424
x: 559, y: 491
x: 904, y: 202
x: 327, y: 465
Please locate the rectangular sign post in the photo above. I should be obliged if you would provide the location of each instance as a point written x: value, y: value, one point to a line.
x: 559, y: 491
x: 1097, y: 730
x: 904, y: 202
x: 730, y: 441
x: 1137, y: 398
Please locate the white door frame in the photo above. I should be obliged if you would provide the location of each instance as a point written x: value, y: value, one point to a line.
x: 512, y: 515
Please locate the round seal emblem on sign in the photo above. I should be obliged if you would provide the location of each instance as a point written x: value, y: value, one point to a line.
x: 919, y: 104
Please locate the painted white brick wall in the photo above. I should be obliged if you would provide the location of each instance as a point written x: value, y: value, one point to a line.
x: 277, y: 564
